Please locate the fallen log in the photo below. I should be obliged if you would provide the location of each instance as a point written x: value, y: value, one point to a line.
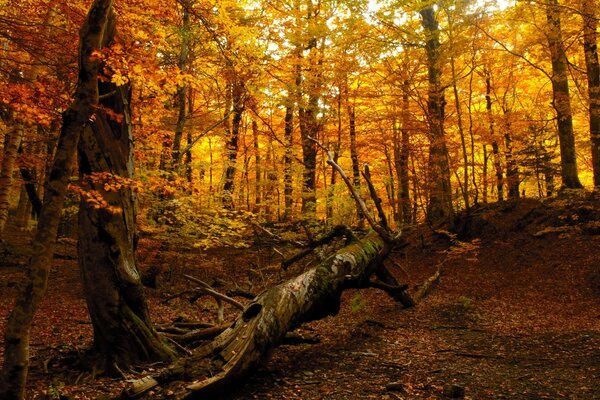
x: 249, y: 341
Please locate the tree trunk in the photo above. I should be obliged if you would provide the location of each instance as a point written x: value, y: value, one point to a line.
x: 440, y: 191
x: 75, y: 118
x: 561, y: 97
x: 593, y: 77
x: 180, y: 96
x: 512, y: 169
x: 494, y: 140
x: 233, y: 134
x: 309, y: 125
x: 287, y: 160
x: 249, y: 341
x: 464, y: 187
x: 11, y: 148
x: 123, y: 333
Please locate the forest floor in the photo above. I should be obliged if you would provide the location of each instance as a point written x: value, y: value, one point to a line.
x: 515, y: 315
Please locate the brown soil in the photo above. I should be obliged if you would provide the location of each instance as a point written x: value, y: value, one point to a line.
x: 516, y: 315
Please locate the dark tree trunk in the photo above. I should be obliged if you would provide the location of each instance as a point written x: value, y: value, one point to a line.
x: 512, y: 169
x: 440, y: 191
x: 561, y: 97
x: 590, y: 47
x: 233, y: 135
x: 123, y: 332
x: 494, y: 140
x: 18, y: 327
x: 180, y: 96
x: 401, y: 155
x: 287, y: 160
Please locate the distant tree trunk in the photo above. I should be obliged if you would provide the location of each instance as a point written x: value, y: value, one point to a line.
x: 590, y: 46
x: 180, y: 96
x: 287, y: 160
x: 11, y: 148
x: 512, y: 169
x: 257, y: 169
x: 495, y: 147
x: 401, y: 157
x: 464, y: 187
x: 440, y: 192
x: 336, y: 155
x: 485, y: 173
x: 353, y: 146
x: 561, y: 97
x: 18, y: 328
x: 236, y: 88
x: 309, y: 126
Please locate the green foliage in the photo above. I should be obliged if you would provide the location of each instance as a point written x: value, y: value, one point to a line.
x: 358, y: 303
x: 54, y: 389
x: 206, y: 229
x: 465, y: 302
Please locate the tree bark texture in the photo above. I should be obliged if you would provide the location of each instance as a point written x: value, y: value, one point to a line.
x: 237, y: 89
x: 590, y: 46
x: 440, y: 191
x: 561, y: 97
x: 123, y: 332
x: 17, y: 334
x: 7, y: 169
x: 494, y: 140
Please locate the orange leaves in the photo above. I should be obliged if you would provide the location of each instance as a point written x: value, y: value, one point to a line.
x: 98, y: 190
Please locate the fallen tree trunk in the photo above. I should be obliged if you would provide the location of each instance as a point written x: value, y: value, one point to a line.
x: 249, y: 341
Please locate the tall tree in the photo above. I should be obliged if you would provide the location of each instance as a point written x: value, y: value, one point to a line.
x: 440, y: 191
x: 561, y: 97
x: 123, y: 332
x: 18, y: 328
x: 590, y: 47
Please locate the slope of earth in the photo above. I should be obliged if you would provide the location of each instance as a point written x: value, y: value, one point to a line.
x: 515, y: 315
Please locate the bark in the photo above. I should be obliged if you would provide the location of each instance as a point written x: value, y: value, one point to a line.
x: 464, y: 187
x: 590, y: 48
x: 236, y: 88
x: 309, y: 125
x: 440, y: 191
x: 180, y: 96
x: 512, y: 169
x: 495, y: 147
x: 75, y: 118
x: 257, y: 169
x: 561, y: 97
x: 401, y: 155
x: 123, y: 332
x: 11, y: 147
x: 287, y: 161
x: 249, y: 341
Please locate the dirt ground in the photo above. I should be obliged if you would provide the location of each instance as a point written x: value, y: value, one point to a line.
x: 515, y: 315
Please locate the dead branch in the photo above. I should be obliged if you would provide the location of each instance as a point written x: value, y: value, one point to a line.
x: 359, y: 202
x: 366, y: 173
x: 197, y: 335
x: 205, y: 287
x: 277, y: 237
x: 426, y: 285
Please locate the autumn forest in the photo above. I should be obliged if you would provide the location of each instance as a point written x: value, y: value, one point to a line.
x: 125, y: 125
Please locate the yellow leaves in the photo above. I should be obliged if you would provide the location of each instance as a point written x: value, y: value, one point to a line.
x: 119, y: 79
